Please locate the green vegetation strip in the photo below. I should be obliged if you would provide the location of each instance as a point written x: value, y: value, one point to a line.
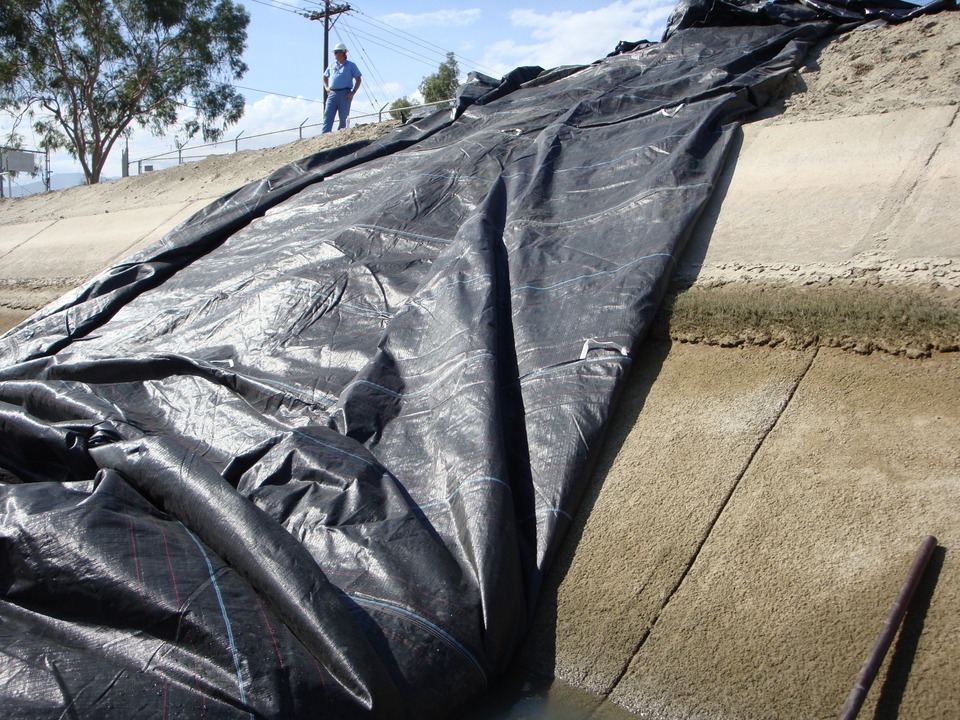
x: 898, y: 320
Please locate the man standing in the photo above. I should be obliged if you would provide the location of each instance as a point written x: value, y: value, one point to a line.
x: 338, y: 81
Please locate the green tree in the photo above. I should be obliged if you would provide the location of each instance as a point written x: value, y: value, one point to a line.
x: 442, y: 85
x: 396, y: 113
x: 88, y: 69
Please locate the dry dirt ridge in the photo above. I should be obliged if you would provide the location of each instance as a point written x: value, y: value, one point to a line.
x: 211, y: 177
x: 913, y: 65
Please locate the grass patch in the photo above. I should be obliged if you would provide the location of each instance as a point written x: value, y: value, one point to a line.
x: 897, y: 320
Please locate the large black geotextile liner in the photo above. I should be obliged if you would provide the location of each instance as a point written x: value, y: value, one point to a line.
x: 311, y: 454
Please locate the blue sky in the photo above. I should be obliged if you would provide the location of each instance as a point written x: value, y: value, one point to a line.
x: 396, y: 46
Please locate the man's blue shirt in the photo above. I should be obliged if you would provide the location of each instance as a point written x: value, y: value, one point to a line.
x: 340, y: 76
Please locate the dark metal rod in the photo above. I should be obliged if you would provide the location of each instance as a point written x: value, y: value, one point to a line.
x: 875, y: 659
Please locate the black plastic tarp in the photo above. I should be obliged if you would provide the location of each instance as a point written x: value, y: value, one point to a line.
x: 311, y: 454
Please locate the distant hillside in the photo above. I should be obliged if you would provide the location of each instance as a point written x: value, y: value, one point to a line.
x: 21, y: 185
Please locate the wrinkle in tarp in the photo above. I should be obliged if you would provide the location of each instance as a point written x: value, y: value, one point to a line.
x: 312, y: 452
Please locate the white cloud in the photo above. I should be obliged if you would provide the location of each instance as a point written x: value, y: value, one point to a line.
x: 444, y: 18
x: 570, y: 38
x: 390, y: 89
x: 274, y: 112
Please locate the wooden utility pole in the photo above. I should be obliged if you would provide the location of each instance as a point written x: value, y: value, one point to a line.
x: 328, y: 12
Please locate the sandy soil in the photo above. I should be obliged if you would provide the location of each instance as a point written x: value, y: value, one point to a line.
x: 875, y: 70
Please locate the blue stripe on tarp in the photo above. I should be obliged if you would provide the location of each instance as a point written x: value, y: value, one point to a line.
x: 226, y: 618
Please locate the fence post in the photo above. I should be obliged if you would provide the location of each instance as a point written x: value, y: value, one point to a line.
x: 301, y: 127
x: 236, y: 141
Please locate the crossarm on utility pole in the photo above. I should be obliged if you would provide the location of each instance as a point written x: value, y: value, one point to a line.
x: 328, y: 12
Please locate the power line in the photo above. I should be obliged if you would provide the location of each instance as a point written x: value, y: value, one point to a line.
x: 398, y: 41
x: 409, y: 38
x: 286, y: 7
x: 272, y: 92
x: 419, y: 41
x: 329, y: 11
x: 426, y: 44
x: 413, y: 55
x: 369, y: 63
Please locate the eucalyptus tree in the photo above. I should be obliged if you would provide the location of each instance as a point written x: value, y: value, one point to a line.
x: 85, y: 71
x: 442, y: 85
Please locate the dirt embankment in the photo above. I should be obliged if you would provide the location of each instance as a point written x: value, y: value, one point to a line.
x: 211, y: 177
x: 876, y: 70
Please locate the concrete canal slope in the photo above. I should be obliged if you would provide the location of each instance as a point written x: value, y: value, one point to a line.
x: 761, y: 493
x: 752, y: 518
x: 757, y: 508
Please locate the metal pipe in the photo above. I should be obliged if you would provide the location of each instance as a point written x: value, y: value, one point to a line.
x: 875, y: 659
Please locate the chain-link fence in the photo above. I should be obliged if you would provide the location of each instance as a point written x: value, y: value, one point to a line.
x: 188, y: 153
x: 20, y: 172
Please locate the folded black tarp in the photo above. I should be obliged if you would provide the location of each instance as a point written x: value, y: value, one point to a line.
x: 311, y: 454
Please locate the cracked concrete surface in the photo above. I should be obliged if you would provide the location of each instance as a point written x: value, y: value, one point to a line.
x: 753, y: 516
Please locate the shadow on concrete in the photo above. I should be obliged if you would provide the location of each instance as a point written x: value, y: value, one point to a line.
x: 538, y: 654
x: 528, y: 689
x: 905, y: 650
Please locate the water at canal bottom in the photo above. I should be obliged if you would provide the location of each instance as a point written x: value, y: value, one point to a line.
x: 526, y: 696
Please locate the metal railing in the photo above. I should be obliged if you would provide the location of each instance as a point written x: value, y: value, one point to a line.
x: 180, y: 154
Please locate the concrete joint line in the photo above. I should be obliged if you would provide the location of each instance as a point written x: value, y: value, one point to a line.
x: 28, y: 239
x: 908, y: 182
x: 713, y: 522
x: 143, y: 236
